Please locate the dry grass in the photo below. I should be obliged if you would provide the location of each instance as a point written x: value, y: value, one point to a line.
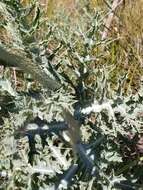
x: 126, y: 53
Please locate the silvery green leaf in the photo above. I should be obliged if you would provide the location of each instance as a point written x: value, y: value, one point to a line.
x: 5, y: 85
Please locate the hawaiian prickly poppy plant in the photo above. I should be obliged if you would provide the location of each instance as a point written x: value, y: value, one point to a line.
x: 70, y: 109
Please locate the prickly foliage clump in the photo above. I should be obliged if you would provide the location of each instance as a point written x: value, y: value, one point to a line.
x: 85, y: 130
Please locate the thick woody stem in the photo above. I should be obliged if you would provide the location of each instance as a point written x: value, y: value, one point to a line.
x: 11, y: 59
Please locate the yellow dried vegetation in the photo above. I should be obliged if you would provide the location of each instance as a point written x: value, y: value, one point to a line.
x: 131, y: 33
